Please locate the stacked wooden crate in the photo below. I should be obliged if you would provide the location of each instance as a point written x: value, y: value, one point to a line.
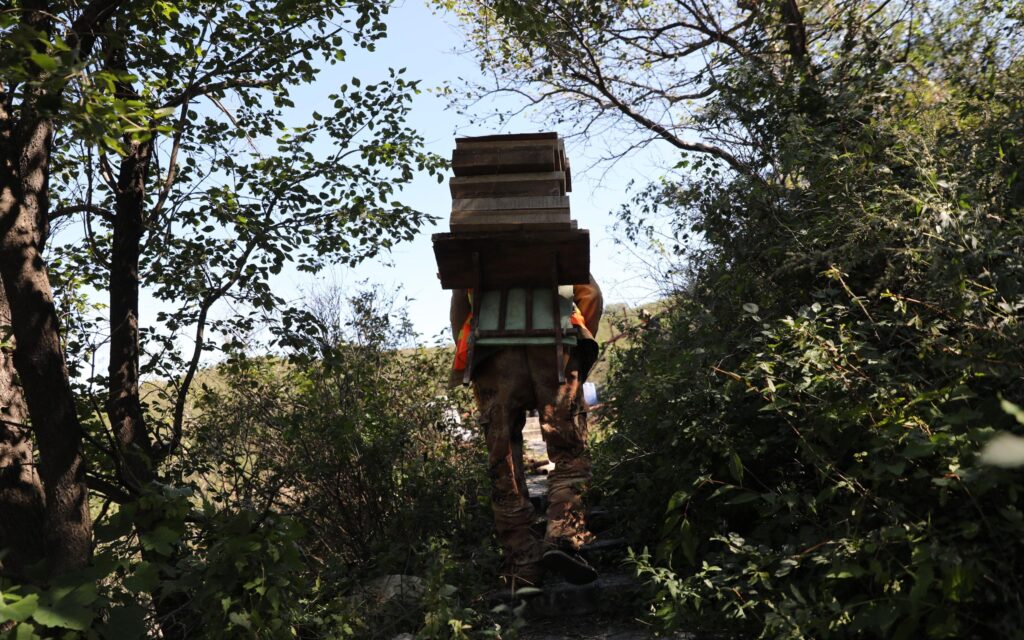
x: 515, y: 182
x: 510, y: 221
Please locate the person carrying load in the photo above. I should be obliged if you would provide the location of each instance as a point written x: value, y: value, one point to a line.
x: 510, y: 377
x: 524, y: 312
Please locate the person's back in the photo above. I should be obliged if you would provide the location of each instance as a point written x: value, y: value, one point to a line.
x: 507, y: 381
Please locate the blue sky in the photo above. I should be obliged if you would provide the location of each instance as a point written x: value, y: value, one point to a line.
x: 426, y: 44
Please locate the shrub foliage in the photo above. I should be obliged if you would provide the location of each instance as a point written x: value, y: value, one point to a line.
x: 799, y: 431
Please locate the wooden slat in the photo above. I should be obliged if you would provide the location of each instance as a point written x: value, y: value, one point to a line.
x: 511, y: 204
x: 500, y: 137
x: 512, y: 259
x: 475, y: 227
x: 502, y: 310
x: 498, y: 145
x: 529, y: 309
x: 527, y: 214
x: 515, y: 218
x: 468, y: 161
x: 520, y: 333
x: 551, y: 183
x: 563, y: 165
x: 556, y: 312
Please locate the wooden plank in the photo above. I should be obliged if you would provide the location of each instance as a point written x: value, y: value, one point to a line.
x: 486, y: 224
x: 517, y: 333
x: 566, y: 167
x: 556, y: 312
x: 511, y: 204
x: 504, y: 159
x: 498, y: 145
x: 523, y: 217
x: 526, y: 214
x: 500, y: 137
x: 502, y: 310
x: 551, y: 183
x: 475, y: 227
x: 510, y: 259
x: 465, y: 216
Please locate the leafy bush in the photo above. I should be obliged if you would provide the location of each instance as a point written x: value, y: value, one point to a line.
x: 356, y: 438
x: 798, y: 433
x: 301, y: 478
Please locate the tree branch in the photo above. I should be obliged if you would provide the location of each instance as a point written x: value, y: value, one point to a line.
x: 69, y: 210
x: 796, y: 34
x: 197, y: 352
x: 661, y: 130
x: 215, y: 87
x: 85, y: 29
x: 108, y: 489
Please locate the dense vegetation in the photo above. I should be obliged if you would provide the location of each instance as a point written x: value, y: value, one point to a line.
x: 797, y: 434
x: 796, y: 437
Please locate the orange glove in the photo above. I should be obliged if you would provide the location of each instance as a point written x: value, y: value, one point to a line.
x: 590, y: 302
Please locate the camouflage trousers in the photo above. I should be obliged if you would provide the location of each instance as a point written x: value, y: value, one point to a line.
x: 507, y: 384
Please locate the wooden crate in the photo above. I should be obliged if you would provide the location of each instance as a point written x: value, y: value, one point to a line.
x: 475, y: 226
x: 512, y: 259
x: 507, y: 185
x: 524, y: 203
x: 511, y: 153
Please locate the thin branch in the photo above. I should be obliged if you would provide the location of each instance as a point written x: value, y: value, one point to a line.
x: 197, y: 352
x: 197, y: 91
x: 85, y: 29
x: 235, y: 122
x: 108, y: 489
x: 69, y: 210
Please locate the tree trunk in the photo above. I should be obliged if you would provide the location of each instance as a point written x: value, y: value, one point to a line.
x: 39, y: 357
x: 124, y: 406
x: 21, y: 491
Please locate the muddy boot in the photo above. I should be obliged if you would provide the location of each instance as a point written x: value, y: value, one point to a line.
x: 517, y: 576
x: 560, y: 558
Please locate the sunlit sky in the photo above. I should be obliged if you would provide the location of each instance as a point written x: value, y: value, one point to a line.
x: 427, y: 44
x: 430, y: 46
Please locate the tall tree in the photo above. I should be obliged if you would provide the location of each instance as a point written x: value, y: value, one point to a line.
x: 21, y: 491
x: 31, y: 94
x: 166, y: 130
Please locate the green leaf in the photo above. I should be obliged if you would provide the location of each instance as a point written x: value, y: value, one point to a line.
x: 19, y: 610
x: 49, y: 64
x: 159, y: 540
x: 68, y: 606
x: 528, y: 591
x: 689, y: 541
x: 1012, y: 409
x: 677, y: 500
x: 144, y: 578
x: 745, y: 497
x: 25, y: 631
x: 240, y: 619
x: 736, y: 468
x: 1004, y: 450
x: 64, y: 616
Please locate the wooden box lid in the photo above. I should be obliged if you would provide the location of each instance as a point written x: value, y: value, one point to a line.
x: 512, y: 259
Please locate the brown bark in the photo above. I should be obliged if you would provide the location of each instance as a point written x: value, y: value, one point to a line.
x: 65, y: 532
x: 21, y: 491
x: 796, y: 33
x: 124, y: 406
x: 39, y: 357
